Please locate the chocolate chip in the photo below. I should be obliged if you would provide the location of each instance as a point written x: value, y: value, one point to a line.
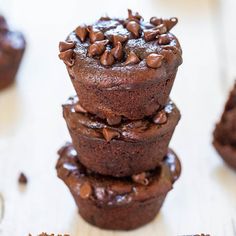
x: 107, y: 58
x: 114, y: 120
x: 156, y: 21
x: 85, y: 190
x: 22, y: 179
x: 134, y: 16
x: 134, y: 28
x: 154, y: 60
x: 81, y: 32
x: 160, y: 118
x: 64, y: 46
x: 95, y: 35
x: 78, y: 108
x: 121, y: 188
x: 109, y: 134
x: 150, y: 34
x: 117, y: 51
x: 105, y: 18
x: 67, y: 57
x: 97, y: 48
x: 119, y: 38
x: 132, y: 59
x: 163, y: 39
x: 170, y: 23
x: 162, y: 28
x: 140, y: 178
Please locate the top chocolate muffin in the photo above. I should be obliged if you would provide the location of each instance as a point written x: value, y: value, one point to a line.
x: 123, y: 67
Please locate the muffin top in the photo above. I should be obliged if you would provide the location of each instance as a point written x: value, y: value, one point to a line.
x: 116, y: 191
x: 82, y: 122
x: 10, y: 42
x: 115, y: 51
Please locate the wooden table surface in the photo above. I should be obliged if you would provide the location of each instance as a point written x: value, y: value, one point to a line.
x: 32, y: 127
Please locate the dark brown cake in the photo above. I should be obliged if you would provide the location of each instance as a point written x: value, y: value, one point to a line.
x: 117, y: 203
x: 123, y: 67
x: 12, y: 46
x: 225, y: 131
x: 125, y: 149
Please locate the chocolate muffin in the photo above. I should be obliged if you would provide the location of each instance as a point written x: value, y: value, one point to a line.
x: 117, y: 203
x: 12, y: 46
x: 121, y: 150
x: 123, y: 67
x: 225, y: 131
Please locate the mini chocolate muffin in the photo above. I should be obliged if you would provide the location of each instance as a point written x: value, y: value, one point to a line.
x: 123, y: 67
x: 121, y: 150
x: 225, y: 131
x: 117, y: 203
x: 12, y: 46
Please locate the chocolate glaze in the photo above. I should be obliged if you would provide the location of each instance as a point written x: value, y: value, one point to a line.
x: 110, y: 191
x: 145, y: 129
x: 131, y: 32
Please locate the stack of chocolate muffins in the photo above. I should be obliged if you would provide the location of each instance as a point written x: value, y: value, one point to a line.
x: 119, y: 168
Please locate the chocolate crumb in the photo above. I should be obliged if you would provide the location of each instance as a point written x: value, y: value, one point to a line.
x: 22, y: 179
x: 114, y: 120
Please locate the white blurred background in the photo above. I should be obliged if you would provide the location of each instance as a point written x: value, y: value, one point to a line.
x: 32, y: 127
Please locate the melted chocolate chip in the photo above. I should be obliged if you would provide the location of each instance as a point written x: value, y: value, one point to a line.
x: 140, y: 178
x: 85, y: 190
x: 81, y: 32
x: 67, y: 57
x: 119, y: 38
x: 134, y: 16
x: 160, y: 118
x: 107, y: 58
x: 117, y: 51
x: 162, y: 28
x: 22, y: 179
x: 170, y: 23
x: 163, y: 39
x: 156, y: 21
x: 64, y: 46
x: 134, y: 28
x: 114, y: 120
x: 97, y: 48
x: 150, y: 34
x: 132, y: 59
x: 95, y: 35
x: 78, y: 108
x: 154, y: 60
x: 109, y: 134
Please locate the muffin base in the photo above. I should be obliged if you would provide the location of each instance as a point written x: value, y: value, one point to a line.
x: 117, y: 203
